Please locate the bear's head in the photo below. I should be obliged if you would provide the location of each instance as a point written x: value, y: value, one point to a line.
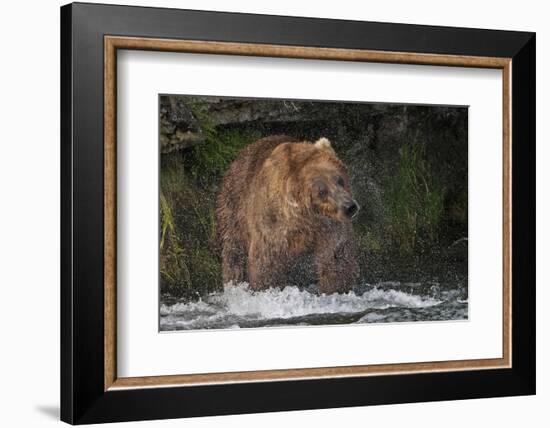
x: 327, y: 182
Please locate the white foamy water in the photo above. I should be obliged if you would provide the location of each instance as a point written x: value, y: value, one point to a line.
x: 239, y: 307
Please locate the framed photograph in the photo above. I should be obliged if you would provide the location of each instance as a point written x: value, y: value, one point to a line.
x: 265, y: 213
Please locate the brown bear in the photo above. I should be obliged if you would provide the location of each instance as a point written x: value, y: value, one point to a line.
x: 284, y: 217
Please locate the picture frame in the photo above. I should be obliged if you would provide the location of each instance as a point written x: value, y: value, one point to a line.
x: 91, y: 390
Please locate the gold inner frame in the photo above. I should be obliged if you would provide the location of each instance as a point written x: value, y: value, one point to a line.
x: 113, y: 43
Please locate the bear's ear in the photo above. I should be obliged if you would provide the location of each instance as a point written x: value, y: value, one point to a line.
x: 324, y: 144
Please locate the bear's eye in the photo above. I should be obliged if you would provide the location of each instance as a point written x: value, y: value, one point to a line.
x: 322, y: 189
x: 340, y: 181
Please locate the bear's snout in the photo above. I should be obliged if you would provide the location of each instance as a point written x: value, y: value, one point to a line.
x: 351, y: 208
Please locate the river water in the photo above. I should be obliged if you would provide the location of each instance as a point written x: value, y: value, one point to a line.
x: 239, y: 307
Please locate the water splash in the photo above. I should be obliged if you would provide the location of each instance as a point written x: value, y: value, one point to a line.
x: 239, y: 307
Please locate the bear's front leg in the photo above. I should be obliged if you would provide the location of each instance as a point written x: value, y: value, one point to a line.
x: 336, y: 268
x: 233, y: 263
x: 265, y: 267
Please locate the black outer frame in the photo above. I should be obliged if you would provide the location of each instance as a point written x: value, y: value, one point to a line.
x: 83, y: 399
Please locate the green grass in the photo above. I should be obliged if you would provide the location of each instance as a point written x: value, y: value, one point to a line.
x: 414, y: 201
x: 189, y: 256
x: 174, y: 271
x: 210, y: 159
x: 369, y: 242
x: 189, y: 263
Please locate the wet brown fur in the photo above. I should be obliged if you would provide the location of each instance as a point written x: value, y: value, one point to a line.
x: 273, y: 226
